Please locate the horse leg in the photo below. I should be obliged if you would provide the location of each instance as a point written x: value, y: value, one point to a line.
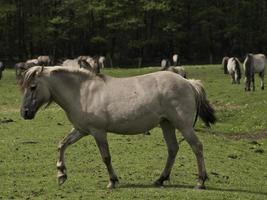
x: 253, y: 82
x: 102, y: 143
x: 197, y: 147
x: 262, y: 80
x: 172, y: 145
x: 73, y: 137
x: 233, y: 78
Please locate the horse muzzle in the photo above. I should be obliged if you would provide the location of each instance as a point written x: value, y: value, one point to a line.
x: 26, y: 113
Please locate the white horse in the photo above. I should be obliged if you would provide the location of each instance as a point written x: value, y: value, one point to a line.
x: 98, y: 104
x: 254, y: 63
x: 234, y: 69
x: 175, y: 59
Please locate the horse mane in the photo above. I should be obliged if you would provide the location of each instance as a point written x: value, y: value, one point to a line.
x: 32, y: 72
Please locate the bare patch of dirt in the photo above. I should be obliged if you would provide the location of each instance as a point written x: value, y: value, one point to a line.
x: 258, y: 135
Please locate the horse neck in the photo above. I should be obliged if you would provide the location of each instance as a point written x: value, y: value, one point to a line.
x: 65, y: 90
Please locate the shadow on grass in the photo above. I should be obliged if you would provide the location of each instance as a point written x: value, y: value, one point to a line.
x: 143, y: 186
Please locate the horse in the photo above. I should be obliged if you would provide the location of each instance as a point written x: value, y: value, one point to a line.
x: 19, y: 69
x: 2, y: 68
x: 71, y: 63
x: 92, y: 64
x: 44, y: 60
x: 101, y: 61
x: 175, y: 59
x: 32, y: 62
x: 224, y: 64
x: 254, y: 63
x: 234, y: 69
x: 165, y: 66
x: 96, y: 104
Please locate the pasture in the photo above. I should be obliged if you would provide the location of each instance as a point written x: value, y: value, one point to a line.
x: 235, y: 149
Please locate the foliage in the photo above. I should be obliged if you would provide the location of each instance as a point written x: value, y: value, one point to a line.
x: 200, y: 31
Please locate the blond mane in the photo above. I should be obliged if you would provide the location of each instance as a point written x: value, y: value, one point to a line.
x: 31, y: 73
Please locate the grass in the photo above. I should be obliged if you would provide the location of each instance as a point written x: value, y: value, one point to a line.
x: 235, y: 150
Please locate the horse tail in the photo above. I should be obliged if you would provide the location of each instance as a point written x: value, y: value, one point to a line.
x: 204, y: 108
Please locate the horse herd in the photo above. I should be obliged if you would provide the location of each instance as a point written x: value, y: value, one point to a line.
x: 91, y: 63
x: 253, y: 63
x: 97, y: 104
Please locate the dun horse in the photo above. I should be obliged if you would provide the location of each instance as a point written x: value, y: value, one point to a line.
x: 254, y: 63
x: 98, y: 104
x: 234, y: 69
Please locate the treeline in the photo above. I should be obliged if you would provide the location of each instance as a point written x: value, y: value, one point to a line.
x: 132, y: 31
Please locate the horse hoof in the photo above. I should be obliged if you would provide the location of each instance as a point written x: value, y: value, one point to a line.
x: 61, y: 179
x: 158, y: 183
x: 112, y: 184
x: 200, y: 187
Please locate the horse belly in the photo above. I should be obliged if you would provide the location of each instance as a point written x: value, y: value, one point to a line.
x: 134, y: 125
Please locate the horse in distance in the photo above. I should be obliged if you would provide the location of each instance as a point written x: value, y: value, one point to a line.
x: 2, y: 68
x: 175, y: 60
x: 44, y: 60
x: 234, y: 69
x: 254, y: 63
x: 99, y: 104
x: 92, y: 64
x: 165, y: 66
x: 224, y: 64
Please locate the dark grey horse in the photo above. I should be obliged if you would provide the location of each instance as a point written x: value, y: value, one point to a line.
x: 2, y: 68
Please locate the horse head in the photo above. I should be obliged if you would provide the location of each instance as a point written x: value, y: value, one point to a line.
x: 36, y: 92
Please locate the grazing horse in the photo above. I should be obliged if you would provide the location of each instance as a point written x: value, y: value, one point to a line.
x: 254, y: 63
x: 2, y: 68
x: 165, y: 66
x: 224, y: 64
x: 97, y: 104
x: 234, y: 69
x: 44, y: 60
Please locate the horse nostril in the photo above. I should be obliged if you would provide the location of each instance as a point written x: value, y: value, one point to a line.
x: 26, y: 111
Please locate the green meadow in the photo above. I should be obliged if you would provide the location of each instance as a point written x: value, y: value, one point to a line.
x: 235, y: 149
